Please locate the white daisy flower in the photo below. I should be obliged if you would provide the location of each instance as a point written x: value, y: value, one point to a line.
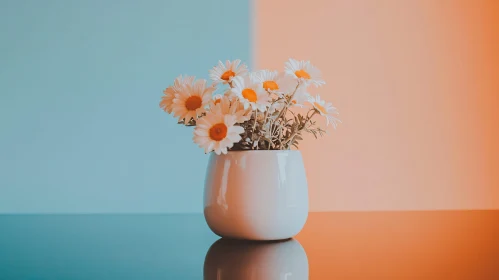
x: 225, y: 73
x: 191, y: 101
x: 178, y: 85
x: 227, y: 106
x: 274, y: 82
x: 304, y: 71
x: 325, y: 109
x: 250, y: 94
x: 217, y: 132
x: 217, y: 98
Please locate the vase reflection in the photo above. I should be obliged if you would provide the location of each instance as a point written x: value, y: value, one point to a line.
x: 243, y: 260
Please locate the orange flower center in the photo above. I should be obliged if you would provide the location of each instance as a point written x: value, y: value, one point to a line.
x: 293, y: 101
x: 227, y: 75
x: 302, y: 74
x: 193, y: 102
x: 270, y: 85
x: 218, y: 132
x: 250, y: 95
x: 218, y: 101
x: 320, y: 108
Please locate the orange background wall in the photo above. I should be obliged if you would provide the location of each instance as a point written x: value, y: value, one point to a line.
x: 417, y: 86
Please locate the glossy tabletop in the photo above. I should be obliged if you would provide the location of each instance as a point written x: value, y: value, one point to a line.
x: 350, y: 245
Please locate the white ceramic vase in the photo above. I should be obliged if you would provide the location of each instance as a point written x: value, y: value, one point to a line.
x: 256, y: 195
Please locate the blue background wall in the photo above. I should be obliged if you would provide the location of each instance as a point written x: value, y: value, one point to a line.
x: 80, y: 126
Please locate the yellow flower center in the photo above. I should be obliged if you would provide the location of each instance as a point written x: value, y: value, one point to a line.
x: 250, y: 95
x: 270, y: 85
x: 193, y: 102
x: 227, y: 75
x: 218, y: 132
x: 320, y: 108
x: 302, y: 74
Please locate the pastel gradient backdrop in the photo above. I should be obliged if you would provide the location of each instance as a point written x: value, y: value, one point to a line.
x: 417, y: 86
x: 416, y: 82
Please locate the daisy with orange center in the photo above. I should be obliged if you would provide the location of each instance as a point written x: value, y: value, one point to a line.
x: 227, y: 106
x: 217, y: 132
x: 325, y: 109
x: 169, y: 93
x: 250, y: 94
x: 191, y: 101
x: 216, y: 99
x: 224, y: 73
x: 273, y: 82
x: 304, y: 72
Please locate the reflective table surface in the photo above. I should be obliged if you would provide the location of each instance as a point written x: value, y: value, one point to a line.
x: 442, y: 245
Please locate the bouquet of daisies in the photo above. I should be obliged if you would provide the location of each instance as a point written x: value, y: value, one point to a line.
x: 262, y: 110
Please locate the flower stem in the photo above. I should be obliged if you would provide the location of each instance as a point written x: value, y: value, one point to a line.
x: 288, y: 102
x: 309, y: 118
x: 292, y: 136
x: 253, y: 131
